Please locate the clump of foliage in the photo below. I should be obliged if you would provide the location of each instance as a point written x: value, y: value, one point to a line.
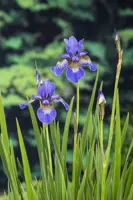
x: 93, y: 176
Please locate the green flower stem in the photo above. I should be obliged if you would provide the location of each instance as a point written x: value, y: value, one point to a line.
x: 103, y: 159
x: 101, y: 138
x: 77, y: 105
x: 49, y: 151
x: 113, y: 111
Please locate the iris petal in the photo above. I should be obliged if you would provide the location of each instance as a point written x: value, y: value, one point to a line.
x: 46, y: 89
x: 57, y: 96
x: 38, y: 78
x: 74, y: 74
x: 24, y: 105
x: 63, y: 102
x: 64, y: 55
x: 92, y: 66
x: 36, y: 97
x: 60, y: 66
x: 46, y: 115
x: 83, y: 53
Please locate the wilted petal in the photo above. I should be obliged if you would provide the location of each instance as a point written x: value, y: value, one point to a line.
x: 36, y: 97
x: 60, y: 66
x: 46, y: 115
x: 92, y: 66
x: 64, y: 55
x: 24, y: 105
x: 63, y: 102
x: 74, y: 74
x: 101, y: 98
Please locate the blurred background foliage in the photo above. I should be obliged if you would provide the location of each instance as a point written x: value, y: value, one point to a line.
x: 33, y: 30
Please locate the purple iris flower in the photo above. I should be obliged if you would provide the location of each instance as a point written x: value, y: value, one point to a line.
x: 101, y: 97
x: 73, y: 61
x: 46, y: 113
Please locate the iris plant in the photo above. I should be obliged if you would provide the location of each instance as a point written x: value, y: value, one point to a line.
x: 73, y: 61
x: 46, y: 113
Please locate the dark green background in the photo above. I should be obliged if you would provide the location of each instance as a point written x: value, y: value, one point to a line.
x: 34, y: 30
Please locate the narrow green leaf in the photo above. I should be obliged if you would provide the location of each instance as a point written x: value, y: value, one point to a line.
x: 3, y: 126
x: 117, y: 160
x: 66, y: 129
x: 84, y: 133
x: 36, y: 131
x: 124, y: 131
x: 27, y: 173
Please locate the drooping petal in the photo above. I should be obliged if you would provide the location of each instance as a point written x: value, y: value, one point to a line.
x: 74, y: 74
x: 92, y: 66
x: 84, y: 60
x: 83, y: 53
x: 36, y: 97
x: 60, y: 66
x: 64, y: 56
x: 57, y: 96
x: 46, y: 115
x: 63, y: 102
x: 24, y: 105
x: 101, y: 97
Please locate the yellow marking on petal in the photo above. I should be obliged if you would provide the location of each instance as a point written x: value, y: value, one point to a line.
x: 74, y: 65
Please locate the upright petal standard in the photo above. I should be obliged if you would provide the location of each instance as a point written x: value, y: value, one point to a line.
x: 73, y: 61
x: 46, y: 113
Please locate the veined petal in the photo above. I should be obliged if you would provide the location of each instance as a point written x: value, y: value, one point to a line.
x: 24, y: 105
x: 74, y: 74
x: 60, y: 66
x: 36, y: 97
x: 64, y: 55
x: 46, y: 115
x: 63, y: 102
x: 92, y: 66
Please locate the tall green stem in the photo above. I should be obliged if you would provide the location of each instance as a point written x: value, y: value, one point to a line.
x: 77, y: 104
x: 49, y: 150
x: 103, y: 161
